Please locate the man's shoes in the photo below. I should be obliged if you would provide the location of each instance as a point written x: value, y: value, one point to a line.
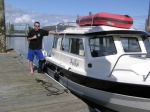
x: 40, y: 70
x: 40, y: 66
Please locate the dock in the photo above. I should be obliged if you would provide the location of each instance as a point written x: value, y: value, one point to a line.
x: 22, y: 92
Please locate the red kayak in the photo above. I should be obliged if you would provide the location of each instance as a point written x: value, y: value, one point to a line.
x: 108, y: 19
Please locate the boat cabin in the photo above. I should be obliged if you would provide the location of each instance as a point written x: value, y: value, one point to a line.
x: 94, y: 50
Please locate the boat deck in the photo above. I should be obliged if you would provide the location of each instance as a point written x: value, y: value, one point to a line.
x: 22, y: 92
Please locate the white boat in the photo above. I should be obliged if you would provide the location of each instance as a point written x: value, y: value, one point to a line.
x: 107, y: 65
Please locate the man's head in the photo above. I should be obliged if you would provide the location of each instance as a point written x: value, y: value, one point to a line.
x: 36, y: 26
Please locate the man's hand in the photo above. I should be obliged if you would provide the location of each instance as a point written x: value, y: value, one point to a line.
x: 34, y: 37
x: 52, y: 32
x: 58, y: 33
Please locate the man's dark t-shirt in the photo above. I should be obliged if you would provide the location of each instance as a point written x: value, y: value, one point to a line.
x: 36, y: 44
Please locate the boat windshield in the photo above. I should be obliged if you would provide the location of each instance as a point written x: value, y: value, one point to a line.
x: 102, y: 46
x: 130, y: 44
x: 146, y: 41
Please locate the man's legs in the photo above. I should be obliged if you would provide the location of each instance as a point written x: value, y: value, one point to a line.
x: 40, y: 56
x: 30, y: 58
x: 31, y: 67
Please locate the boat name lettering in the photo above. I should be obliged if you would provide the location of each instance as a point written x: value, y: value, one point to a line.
x: 74, y: 62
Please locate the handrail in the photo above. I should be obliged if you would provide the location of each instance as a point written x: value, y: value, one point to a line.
x: 146, y: 76
x: 64, y: 26
x: 129, y: 54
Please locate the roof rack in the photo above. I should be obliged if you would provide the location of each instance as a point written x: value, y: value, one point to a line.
x: 64, y: 25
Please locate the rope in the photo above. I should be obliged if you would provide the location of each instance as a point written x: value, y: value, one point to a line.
x: 92, y: 19
x: 50, y: 88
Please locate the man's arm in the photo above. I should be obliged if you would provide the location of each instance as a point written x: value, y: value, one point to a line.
x: 31, y: 38
x: 52, y: 32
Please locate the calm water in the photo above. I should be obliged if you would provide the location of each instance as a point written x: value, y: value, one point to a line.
x: 20, y: 44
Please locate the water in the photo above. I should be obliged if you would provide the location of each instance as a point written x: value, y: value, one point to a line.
x: 20, y: 44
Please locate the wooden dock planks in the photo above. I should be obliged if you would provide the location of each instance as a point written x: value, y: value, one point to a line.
x: 22, y: 92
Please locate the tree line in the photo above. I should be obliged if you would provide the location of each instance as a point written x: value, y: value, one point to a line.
x: 12, y: 28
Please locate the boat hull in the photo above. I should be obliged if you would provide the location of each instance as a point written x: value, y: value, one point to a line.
x: 117, y: 102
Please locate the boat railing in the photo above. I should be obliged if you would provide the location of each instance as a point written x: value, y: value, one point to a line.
x: 64, y: 25
x: 137, y: 54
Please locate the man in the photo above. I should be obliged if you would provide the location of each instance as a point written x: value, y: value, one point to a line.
x: 35, y: 37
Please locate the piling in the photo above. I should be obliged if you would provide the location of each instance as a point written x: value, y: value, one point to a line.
x: 2, y: 28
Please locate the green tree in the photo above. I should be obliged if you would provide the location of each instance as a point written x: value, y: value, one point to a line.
x: 12, y: 27
x: 30, y: 28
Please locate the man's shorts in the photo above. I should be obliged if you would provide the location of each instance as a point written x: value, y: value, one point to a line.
x: 37, y: 53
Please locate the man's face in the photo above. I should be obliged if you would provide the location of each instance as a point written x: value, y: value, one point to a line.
x: 36, y: 26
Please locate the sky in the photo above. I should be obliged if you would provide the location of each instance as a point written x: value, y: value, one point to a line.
x: 51, y: 12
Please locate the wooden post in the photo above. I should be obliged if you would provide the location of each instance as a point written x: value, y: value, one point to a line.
x: 147, y: 22
x: 2, y: 28
x: 27, y: 29
x: 8, y: 28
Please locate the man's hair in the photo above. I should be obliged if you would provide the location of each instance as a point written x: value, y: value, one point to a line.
x: 36, y: 22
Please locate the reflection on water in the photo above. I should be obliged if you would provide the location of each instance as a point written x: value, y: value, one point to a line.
x: 20, y: 44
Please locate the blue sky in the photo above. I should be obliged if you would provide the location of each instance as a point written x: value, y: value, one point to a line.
x: 50, y: 12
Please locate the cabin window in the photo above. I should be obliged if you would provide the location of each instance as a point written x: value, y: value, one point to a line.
x: 130, y: 44
x: 55, y: 42
x: 77, y: 46
x: 102, y: 46
x: 65, y: 44
x: 146, y: 41
x: 73, y: 45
